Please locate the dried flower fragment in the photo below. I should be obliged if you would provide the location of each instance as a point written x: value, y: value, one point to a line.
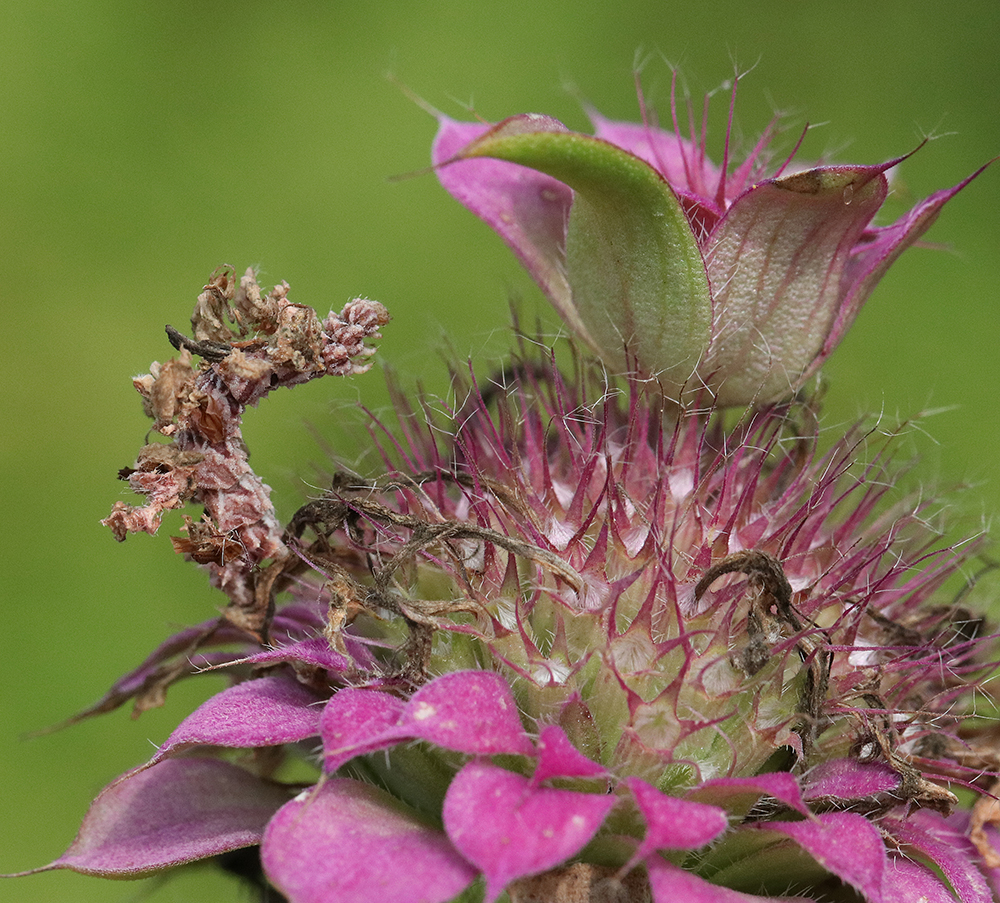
x: 250, y: 345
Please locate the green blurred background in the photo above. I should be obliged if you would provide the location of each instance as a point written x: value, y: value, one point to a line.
x: 142, y: 144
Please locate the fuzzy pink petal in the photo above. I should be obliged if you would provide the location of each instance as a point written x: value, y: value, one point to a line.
x: 265, y: 712
x: 469, y: 711
x: 508, y: 829
x: 527, y: 209
x: 775, y: 263
x: 356, y: 722
x: 674, y: 824
x: 906, y: 881
x: 314, y: 651
x: 845, y: 844
x: 557, y: 757
x: 951, y: 851
x: 671, y: 884
x: 779, y: 784
x: 177, y: 811
x: 349, y: 842
x: 847, y: 779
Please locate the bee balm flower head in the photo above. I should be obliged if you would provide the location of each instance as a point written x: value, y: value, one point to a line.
x: 568, y: 642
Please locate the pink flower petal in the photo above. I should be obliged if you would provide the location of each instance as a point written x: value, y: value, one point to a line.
x: 847, y: 845
x: 527, y: 209
x: 949, y: 850
x: 508, y: 829
x: 174, y: 812
x: 557, y: 757
x: 847, y: 779
x: 263, y: 712
x: 356, y: 722
x: 314, y: 651
x: 349, y: 842
x: 725, y: 791
x: 906, y: 881
x: 674, y: 824
x: 671, y: 884
x: 469, y: 711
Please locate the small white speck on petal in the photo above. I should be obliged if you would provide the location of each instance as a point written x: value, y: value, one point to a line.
x: 424, y: 711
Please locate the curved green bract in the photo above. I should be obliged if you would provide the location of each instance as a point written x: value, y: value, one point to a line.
x: 637, y: 276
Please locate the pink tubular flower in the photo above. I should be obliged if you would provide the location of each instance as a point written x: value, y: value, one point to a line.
x: 731, y: 282
x: 573, y: 641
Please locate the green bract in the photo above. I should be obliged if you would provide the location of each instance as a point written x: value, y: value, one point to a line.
x: 638, y: 281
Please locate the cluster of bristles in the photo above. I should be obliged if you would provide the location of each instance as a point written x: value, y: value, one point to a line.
x: 582, y: 547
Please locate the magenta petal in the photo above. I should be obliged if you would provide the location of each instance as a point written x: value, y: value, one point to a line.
x: 356, y: 722
x: 263, y: 712
x: 906, y: 881
x: 174, y: 812
x: 779, y: 784
x: 508, y: 829
x: 847, y: 845
x: 527, y: 209
x: 951, y: 851
x: 847, y: 779
x: 671, y: 884
x: 469, y: 711
x: 314, y: 651
x: 558, y: 758
x: 350, y: 842
x: 674, y: 824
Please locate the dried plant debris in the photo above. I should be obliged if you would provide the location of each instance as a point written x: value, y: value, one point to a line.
x: 249, y: 345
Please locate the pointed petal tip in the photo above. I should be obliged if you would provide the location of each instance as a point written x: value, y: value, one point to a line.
x: 557, y: 757
x: 175, y: 812
x: 531, y: 830
x: 889, y: 164
x: 672, y: 823
x: 268, y: 711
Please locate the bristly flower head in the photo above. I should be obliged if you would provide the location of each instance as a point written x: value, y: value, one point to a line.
x: 573, y: 642
x: 731, y: 283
